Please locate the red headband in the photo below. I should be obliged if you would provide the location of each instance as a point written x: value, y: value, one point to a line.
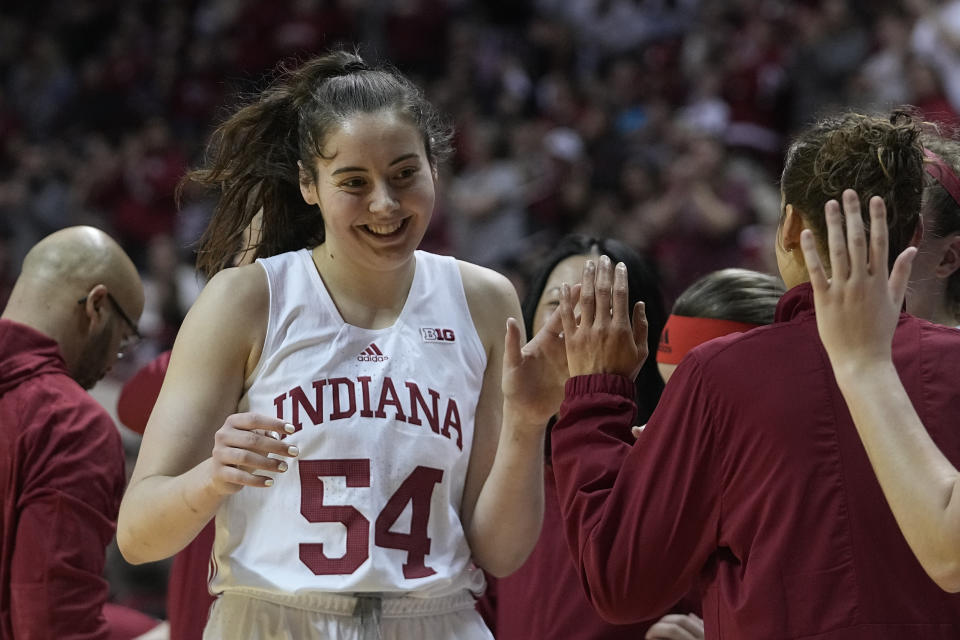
x: 943, y: 174
x: 682, y: 333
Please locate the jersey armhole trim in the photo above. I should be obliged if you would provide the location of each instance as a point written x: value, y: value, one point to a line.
x: 267, y: 346
x: 475, y: 338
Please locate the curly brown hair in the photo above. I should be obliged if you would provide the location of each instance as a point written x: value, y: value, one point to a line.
x: 251, y: 158
x: 876, y: 156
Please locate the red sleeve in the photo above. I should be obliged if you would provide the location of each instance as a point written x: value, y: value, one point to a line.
x: 67, y: 516
x: 140, y: 393
x: 641, y: 519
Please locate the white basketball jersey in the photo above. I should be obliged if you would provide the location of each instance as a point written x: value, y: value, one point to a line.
x: 385, y: 426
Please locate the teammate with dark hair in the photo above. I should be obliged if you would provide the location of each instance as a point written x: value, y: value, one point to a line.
x: 559, y: 608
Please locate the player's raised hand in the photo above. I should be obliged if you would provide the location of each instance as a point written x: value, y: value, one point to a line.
x: 241, y: 448
x: 604, y: 340
x: 858, y: 306
x: 534, y: 373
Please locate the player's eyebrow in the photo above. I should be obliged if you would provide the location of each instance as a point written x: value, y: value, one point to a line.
x: 405, y: 156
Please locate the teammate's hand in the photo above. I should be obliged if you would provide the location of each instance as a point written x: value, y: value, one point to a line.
x: 677, y: 626
x: 241, y: 448
x: 534, y: 373
x: 858, y: 307
x: 603, y: 339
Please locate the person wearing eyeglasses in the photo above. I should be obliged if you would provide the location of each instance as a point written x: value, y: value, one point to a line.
x: 128, y: 341
x: 72, y: 312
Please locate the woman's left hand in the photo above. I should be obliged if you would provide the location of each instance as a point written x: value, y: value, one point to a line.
x: 534, y: 373
x: 603, y: 339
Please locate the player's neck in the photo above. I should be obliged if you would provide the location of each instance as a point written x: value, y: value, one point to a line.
x: 946, y: 316
x: 365, y: 298
x: 926, y: 299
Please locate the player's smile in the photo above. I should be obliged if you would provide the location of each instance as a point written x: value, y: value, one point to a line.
x: 386, y: 230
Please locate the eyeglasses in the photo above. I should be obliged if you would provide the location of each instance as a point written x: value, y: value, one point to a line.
x: 134, y: 337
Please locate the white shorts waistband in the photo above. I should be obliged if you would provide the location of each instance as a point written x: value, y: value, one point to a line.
x: 350, y: 604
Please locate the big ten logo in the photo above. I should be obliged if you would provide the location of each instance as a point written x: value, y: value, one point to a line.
x: 437, y: 335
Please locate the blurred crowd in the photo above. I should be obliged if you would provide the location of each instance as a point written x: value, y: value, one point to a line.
x: 658, y: 122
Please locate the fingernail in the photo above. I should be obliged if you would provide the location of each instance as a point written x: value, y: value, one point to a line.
x: 289, y: 428
x: 293, y: 451
x: 282, y: 467
x: 565, y: 289
x: 268, y: 482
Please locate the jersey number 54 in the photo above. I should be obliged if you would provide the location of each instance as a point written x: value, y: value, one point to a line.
x: 416, y: 489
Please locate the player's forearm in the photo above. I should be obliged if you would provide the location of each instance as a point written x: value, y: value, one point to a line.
x: 921, y: 486
x: 506, y: 520
x: 160, y: 515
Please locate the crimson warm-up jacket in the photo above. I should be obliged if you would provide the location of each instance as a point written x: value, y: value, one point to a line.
x: 751, y: 478
x: 544, y: 599
x: 61, y: 481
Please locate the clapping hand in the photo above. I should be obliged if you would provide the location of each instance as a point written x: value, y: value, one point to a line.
x: 534, y: 373
x: 603, y: 339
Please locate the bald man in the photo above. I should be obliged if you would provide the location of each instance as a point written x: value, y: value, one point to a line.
x: 72, y: 311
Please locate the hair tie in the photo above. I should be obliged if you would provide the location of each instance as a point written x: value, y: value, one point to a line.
x: 943, y: 174
x: 683, y: 333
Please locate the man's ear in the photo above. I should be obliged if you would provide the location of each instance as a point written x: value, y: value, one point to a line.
x: 950, y: 261
x: 307, y: 185
x: 93, y: 306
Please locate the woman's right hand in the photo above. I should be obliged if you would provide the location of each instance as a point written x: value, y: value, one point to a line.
x: 242, y: 447
x: 858, y: 306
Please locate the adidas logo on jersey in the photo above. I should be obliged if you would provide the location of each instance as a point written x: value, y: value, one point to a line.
x: 372, y: 354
